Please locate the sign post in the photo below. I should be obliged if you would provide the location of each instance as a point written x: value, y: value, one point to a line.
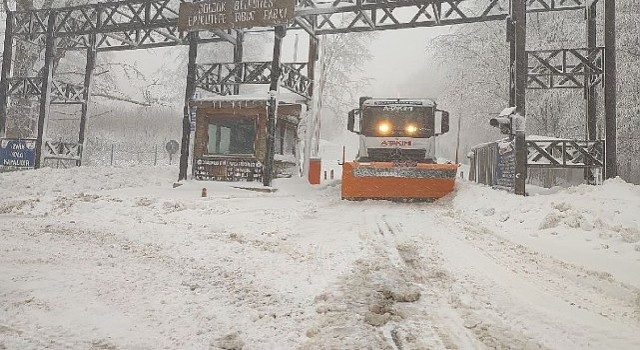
x: 172, y: 147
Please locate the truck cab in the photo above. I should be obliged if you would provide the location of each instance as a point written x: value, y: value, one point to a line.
x: 397, y: 129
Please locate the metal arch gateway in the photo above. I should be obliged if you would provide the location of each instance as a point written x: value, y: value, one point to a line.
x: 143, y: 24
x: 138, y: 24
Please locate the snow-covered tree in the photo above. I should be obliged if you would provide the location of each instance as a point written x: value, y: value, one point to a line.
x: 474, y: 59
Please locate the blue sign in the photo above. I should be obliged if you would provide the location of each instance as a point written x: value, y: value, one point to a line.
x: 18, y: 153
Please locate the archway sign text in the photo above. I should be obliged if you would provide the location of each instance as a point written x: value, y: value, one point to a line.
x: 227, y: 14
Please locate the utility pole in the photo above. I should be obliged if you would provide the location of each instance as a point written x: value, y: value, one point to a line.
x: 458, y: 139
x: 459, y: 119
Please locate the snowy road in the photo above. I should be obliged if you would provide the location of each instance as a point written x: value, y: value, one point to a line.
x: 118, y: 259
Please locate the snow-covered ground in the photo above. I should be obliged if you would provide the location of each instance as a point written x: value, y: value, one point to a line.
x: 117, y: 258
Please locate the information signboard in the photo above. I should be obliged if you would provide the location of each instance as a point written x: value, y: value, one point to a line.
x: 228, y: 169
x: 18, y: 153
x: 227, y: 14
x: 506, y: 166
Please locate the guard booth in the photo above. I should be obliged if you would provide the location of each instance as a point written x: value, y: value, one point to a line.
x: 230, y: 142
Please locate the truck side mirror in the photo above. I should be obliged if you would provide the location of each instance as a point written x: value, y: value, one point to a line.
x: 351, y: 121
x: 441, y: 122
x: 444, y: 126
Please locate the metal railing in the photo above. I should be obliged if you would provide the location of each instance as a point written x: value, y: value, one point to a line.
x: 549, y: 162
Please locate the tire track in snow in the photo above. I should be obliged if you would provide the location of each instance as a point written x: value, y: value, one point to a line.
x: 389, y: 233
x: 440, y: 316
x: 426, y: 273
x: 576, y: 285
x: 393, y: 299
x: 481, y: 298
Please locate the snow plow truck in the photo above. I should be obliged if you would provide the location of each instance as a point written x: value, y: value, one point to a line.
x: 396, y: 156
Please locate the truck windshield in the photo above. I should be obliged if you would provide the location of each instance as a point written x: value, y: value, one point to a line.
x: 397, y: 121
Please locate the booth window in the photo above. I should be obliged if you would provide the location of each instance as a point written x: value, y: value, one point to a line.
x: 285, y: 138
x: 279, y: 136
x: 289, y: 143
x: 231, y: 135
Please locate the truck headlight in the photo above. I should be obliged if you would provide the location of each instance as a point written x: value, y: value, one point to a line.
x: 411, y: 129
x: 384, y: 128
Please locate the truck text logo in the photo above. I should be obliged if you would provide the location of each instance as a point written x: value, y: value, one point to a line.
x: 398, y: 108
x: 395, y: 143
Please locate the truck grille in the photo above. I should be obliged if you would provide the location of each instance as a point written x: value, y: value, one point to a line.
x: 394, y: 154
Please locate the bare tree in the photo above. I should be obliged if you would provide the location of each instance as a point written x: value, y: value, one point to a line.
x: 472, y: 61
x: 341, y: 61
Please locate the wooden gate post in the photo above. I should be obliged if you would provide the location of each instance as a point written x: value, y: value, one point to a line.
x: 521, y: 163
x: 88, y: 75
x: 190, y: 92
x: 279, y: 34
x: 7, y: 58
x: 45, y: 88
x: 519, y: 56
x: 610, y: 86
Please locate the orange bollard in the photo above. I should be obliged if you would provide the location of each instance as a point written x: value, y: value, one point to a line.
x: 314, y: 171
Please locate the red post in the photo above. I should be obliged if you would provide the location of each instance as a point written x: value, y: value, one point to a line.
x: 314, y: 170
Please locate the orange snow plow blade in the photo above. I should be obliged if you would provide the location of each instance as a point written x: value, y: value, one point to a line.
x: 384, y: 180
